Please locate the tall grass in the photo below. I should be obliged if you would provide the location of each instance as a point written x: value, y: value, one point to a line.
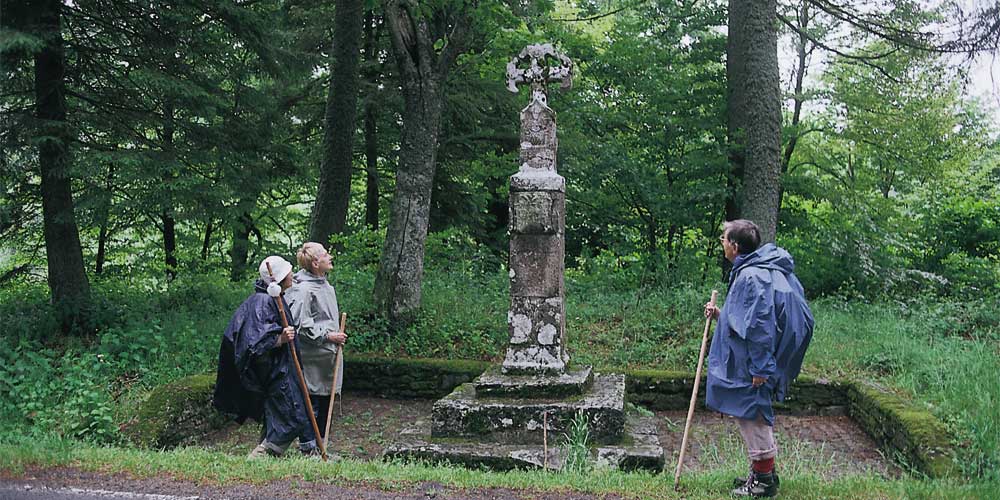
x: 943, y: 355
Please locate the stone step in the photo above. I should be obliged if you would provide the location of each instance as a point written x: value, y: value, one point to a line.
x: 465, y: 414
x: 639, y: 450
x: 494, y: 383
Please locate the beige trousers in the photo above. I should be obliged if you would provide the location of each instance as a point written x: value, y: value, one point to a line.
x: 758, y: 437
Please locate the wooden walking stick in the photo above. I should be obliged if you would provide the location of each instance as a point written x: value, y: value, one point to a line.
x: 333, y: 386
x: 694, y: 393
x: 298, y: 370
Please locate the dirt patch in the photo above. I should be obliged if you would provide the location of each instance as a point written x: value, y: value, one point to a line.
x: 361, y: 427
x: 832, y: 446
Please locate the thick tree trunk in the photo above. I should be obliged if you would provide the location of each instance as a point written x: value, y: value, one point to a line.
x: 735, y: 102
x: 423, y: 72
x: 66, y: 275
x: 401, y: 267
x: 761, y: 109
x: 329, y: 215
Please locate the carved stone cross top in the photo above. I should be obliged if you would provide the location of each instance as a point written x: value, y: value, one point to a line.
x: 539, y: 65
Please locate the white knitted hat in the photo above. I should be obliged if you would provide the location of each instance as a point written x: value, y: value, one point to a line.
x: 279, y: 267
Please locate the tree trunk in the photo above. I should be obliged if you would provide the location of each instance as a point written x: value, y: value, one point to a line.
x: 802, y: 51
x: 240, y: 250
x: 735, y: 103
x: 329, y: 215
x: 66, y: 275
x: 371, y: 129
x: 422, y: 73
x: 207, y: 241
x: 104, y: 216
x: 761, y: 106
x: 168, y: 224
x: 102, y: 246
x: 371, y: 169
x: 401, y: 266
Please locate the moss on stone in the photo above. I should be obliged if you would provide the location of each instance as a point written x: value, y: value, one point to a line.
x: 903, y: 430
x: 177, y: 412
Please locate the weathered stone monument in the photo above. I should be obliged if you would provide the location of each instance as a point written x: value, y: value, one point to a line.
x: 514, y: 414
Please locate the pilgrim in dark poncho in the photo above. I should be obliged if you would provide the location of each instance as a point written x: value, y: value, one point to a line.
x: 256, y: 378
x: 763, y: 332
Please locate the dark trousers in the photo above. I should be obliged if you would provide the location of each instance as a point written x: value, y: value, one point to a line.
x: 320, y: 406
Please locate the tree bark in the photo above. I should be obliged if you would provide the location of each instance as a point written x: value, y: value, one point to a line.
x: 735, y: 103
x: 422, y: 73
x: 761, y: 107
x: 371, y: 128
x: 67, y: 278
x: 168, y: 224
x: 104, y: 216
x: 329, y: 215
x: 207, y: 241
x: 240, y: 250
x: 802, y: 51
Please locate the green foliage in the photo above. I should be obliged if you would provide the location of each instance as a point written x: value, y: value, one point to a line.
x: 894, y: 192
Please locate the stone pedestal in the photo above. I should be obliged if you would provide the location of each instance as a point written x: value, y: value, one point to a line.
x: 502, y: 431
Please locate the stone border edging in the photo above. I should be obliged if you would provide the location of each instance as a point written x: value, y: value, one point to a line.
x: 177, y: 412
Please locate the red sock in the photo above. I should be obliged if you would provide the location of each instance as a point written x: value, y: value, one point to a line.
x: 765, y: 466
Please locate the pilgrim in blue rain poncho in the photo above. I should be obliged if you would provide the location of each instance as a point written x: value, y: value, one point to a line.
x: 763, y: 331
x: 257, y: 380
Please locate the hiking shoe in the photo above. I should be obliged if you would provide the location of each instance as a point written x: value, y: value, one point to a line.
x: 758, y: 485
x: 261, y: 451
x: 740, y: 481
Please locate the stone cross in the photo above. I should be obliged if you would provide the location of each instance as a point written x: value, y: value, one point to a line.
x: 537, y: 319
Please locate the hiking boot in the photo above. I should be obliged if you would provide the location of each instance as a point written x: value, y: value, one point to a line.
x: 758, y: 485
x: 740, y: 481
x: 261, y: 451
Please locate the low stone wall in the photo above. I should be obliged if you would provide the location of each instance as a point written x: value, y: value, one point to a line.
x: 671, y: 390
x: 910, y: 435
x: 180, y: 412
x: 408, y: 378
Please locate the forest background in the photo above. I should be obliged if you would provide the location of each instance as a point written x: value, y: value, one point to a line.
x: 153, y: 153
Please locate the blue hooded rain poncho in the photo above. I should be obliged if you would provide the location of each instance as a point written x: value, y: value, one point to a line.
x: 764, y: 329
x: 254, y: 379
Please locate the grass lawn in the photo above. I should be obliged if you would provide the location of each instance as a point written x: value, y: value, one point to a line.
x: 202, y: 466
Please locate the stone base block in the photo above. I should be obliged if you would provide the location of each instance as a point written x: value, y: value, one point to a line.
x: 639, y: 450
x: 573, y: 382
x: 465, y: 414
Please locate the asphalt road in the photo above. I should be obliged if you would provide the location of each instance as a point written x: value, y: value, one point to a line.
x: 27, y: 492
